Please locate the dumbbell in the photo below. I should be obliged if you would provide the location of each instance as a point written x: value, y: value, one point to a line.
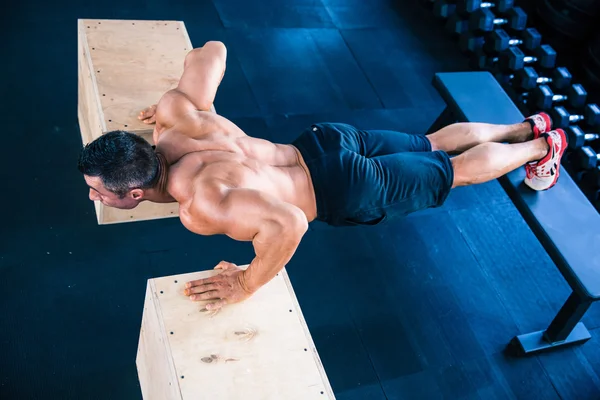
x: 519, y: 98
x: 514, y: 59
x: 578, y: 138
x: 586, y: 158
x: 480, y: 60
x: 456, y: 25
x: 543, y: 97
x: 498, y: 40
x: 443, y: 8
x: 595, y: 175
x: 483, y: 20
x: 561, y: 118
x: 446, y: 8
x: 469, y: 6
x: 470, y: 43
x: 527, y: 78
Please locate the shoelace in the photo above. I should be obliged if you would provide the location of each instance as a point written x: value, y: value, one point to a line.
x: 541, y: 172
x: 529, y: 171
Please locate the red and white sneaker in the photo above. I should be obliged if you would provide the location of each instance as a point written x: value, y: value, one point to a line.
x: 543, y: 174
x: 540, y: 123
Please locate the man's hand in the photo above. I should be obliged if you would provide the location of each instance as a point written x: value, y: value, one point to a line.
x: 227, y: 287
x: 148, y: 116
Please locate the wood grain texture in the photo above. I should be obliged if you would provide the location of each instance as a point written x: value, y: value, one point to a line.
x: 257, y: 349
x: 154, y: 360
x: 133, y: 64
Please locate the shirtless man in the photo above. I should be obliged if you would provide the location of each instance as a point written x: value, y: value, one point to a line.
x: 253, y: 190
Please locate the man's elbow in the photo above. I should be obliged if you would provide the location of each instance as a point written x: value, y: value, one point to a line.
x: 296, y: 224
x: 216, y: 44
x: 213, y: 49
x: 217, y: 48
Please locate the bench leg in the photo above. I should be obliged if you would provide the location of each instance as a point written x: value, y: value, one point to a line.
x: 565, y: 329
x: 445, y: 118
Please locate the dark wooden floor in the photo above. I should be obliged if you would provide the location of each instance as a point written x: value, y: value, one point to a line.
x: 420, y: 309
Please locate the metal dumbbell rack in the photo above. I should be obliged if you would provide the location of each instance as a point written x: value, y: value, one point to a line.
x: 520, y: 48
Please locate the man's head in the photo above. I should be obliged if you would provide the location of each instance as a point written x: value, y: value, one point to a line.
x: 119, y: 167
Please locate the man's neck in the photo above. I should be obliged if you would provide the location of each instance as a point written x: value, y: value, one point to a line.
x: 159, y: 193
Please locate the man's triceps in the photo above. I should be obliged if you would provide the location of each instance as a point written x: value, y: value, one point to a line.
x: 203, y: 71
x: 275, y: 228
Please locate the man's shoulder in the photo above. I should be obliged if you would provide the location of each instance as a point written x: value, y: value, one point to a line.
x: 199, y: 209
x: 188, y: 180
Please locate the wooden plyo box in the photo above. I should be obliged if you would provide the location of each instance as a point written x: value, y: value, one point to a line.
x: 125, y: 66
x: 260, y: 348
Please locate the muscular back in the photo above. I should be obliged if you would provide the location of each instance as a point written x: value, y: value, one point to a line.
x: 204, y: 131
x: 209, y: 155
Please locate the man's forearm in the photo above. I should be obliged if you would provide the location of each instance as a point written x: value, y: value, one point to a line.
x: 272, y: 254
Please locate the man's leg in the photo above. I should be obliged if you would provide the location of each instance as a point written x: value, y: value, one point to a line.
x: 488, y: 161
x: 461, y: 136
x: 453, y: 139
x: 485, y: 156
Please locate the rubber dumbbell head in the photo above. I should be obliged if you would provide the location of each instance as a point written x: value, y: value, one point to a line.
x: 514, y: 59
x: 456, y: 25
x: 546, y: 56
x: 485, y: 21
x: 470, y: 43
x: 443, y: 8
x: 578, y: 138
x: 469, y: 6
x: 596, y: 178
x: 518, y: 97
x: 561, y: 118
x: 503, y: 79
x: 586, y: 158
x: 561, y: 77
x: 480, y: 60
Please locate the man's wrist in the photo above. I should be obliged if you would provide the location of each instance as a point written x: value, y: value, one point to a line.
x: 246, y: 283
x: 256, y: 275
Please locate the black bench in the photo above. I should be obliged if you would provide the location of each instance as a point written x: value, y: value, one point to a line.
x: 571, y: 235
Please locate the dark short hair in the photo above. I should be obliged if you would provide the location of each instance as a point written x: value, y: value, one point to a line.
x: 123, y: 160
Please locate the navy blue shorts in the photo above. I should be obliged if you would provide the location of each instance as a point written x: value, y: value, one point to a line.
x: 365, y: 177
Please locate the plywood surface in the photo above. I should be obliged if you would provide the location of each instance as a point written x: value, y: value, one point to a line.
x: 91, y: 118
x: 143, y: 212
x: 154, y: 361
x: 257, y: 349
x: 134, y: 63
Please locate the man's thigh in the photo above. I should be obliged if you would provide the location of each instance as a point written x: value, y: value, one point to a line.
x: 414, y: 181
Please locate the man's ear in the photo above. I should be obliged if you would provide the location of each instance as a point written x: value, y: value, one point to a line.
x: 136, y: 194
